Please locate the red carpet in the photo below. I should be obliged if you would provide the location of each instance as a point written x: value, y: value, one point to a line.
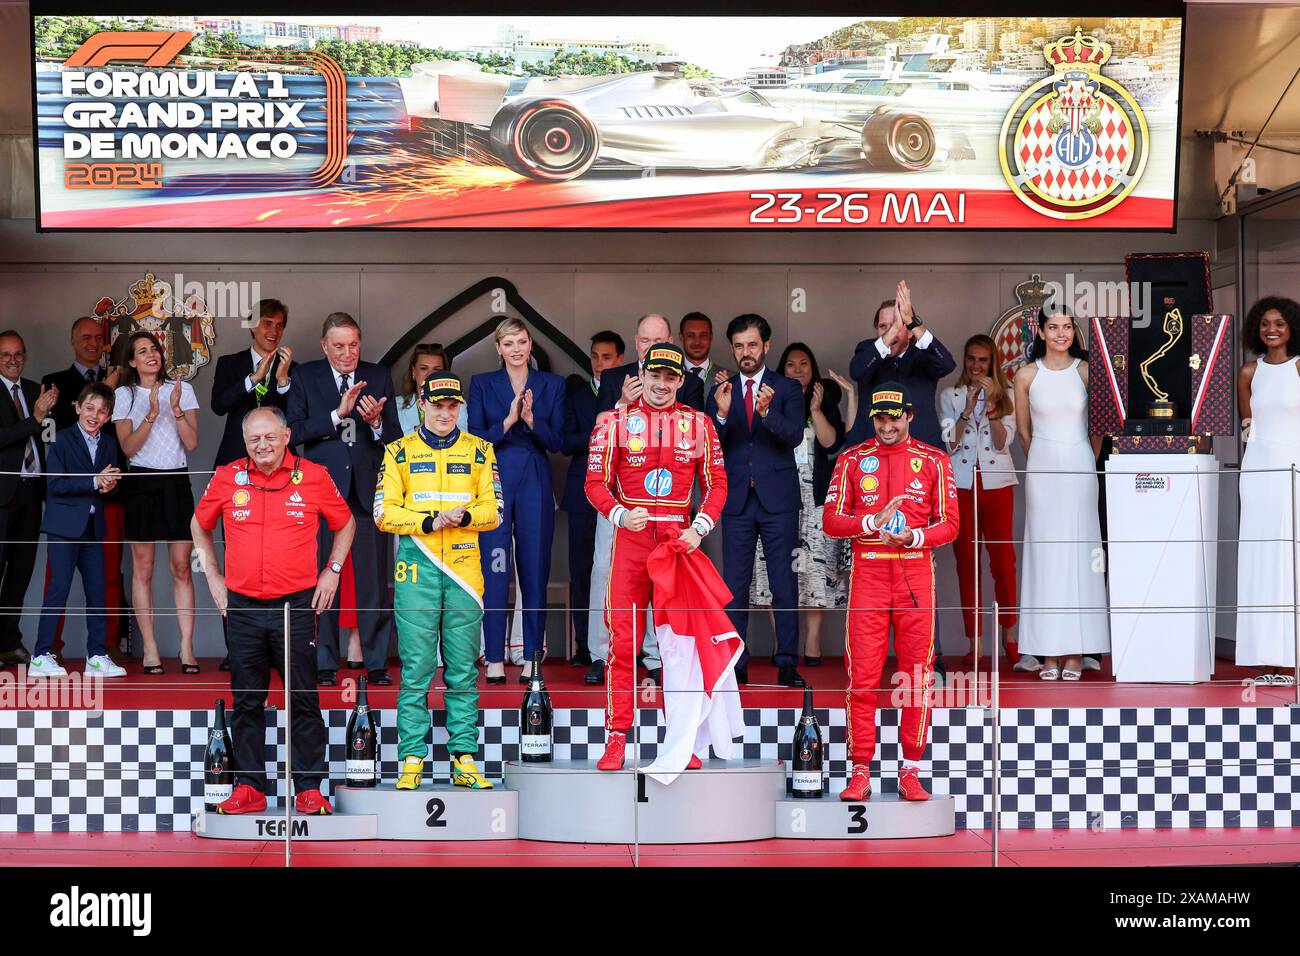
x: 968, y: 848
x: 174, y: 690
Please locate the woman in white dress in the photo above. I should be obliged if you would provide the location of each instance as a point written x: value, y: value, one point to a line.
x: 1268, y: 392
x: 1062, y: 586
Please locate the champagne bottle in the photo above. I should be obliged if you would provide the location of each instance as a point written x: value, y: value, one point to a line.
x: 535, y: 718
x: 362, y: 764
x: 807, y: 770
x: 218, y: 776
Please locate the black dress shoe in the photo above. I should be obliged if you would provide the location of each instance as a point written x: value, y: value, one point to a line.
x: 224, y: 665
x: 327, y: 678
x: 581, y: 658
x: 742, y: 675
x: 496, y: 680
x: 811, y: 661
x: 789, y: 677
x: 656, y: 675
x: 595, y: 673
x: 355, y: 665
x: 380, y: 678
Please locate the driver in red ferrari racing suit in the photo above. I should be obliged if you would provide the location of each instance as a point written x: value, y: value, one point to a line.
x: 644, y: 459
x: 896, y: 498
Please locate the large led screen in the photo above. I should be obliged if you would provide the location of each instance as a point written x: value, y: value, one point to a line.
x: 293, y: 122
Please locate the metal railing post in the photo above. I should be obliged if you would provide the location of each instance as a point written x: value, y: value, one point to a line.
x: 636, y: 749
x: 997, y: 742
x: 288, y: 748
x: 1295, y: 590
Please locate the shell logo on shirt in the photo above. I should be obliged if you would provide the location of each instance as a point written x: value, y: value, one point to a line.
x: 869, y: 483
x: 240, y: 497
x: 635, y: 444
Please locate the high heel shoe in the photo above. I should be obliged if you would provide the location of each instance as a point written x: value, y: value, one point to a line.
x: 811, y: 661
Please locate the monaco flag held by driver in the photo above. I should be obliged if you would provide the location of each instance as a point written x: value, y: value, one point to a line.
x: 699, y: 648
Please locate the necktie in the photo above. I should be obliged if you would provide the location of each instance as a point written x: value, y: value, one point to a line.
x: 749, y: 403
x: 343, y: 384
x: 29, y: 451
x: 90, y: 375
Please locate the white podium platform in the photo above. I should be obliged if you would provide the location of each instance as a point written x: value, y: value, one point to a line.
x: 1162, y: 523
x: 271, y: 825
x: 883, y: 816
x: 435, y: 811
x: 572, y: 802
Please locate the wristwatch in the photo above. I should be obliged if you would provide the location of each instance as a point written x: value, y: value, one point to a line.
x: 335, y: 567
x: 916, y: 321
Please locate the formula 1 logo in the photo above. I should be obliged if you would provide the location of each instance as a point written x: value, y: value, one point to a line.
x: 1074, y: 144
x: 150, y: 48
x: 659, y: 483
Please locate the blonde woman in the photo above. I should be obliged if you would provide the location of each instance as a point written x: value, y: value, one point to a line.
x: 427, y: 357
x: 979, y: 426
x: 521, y: 411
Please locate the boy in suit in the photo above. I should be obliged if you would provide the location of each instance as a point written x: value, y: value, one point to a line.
x: 74, y: 525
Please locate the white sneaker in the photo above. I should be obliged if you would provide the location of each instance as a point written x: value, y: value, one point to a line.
x: 1028, y: 662
x: 45, y: 666
x: 101, y: 665
x: 1091, y: 664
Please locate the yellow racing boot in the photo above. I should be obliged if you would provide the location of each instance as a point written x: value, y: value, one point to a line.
x: 411, y: 773
x: 465, y: 774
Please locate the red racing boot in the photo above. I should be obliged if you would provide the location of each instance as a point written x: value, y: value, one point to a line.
x: 694, y: 763
x: 244, y: 799
x: 909, y: 785
x: 859, y: 787
x: 311, y: 803
x: 615, y: 745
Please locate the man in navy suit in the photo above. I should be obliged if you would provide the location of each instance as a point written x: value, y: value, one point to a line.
x: 904, y: 351
x: 251, y: 378
x: 23, y: 410
x: 760, y: 419
x: 342, y: 411
x: 81, y: 470
x: 580, y: 397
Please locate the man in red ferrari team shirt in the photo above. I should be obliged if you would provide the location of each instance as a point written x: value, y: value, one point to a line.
x: 896, y: 498
x: 271, y: 509
x: 643, y: 462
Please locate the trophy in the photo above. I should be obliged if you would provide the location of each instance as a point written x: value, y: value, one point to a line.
x: 1165, y: 384
x: 1162, y: 407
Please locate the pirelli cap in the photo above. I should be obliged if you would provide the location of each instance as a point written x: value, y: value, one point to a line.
x: 890, y: 399
x: 440, y: 386
x: 666, y: 357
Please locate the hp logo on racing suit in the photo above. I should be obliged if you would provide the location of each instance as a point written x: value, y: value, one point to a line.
x: 659, y: 483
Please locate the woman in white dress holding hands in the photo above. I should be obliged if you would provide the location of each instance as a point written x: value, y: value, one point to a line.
x: 1268, y: 394
x: 1063, y: 587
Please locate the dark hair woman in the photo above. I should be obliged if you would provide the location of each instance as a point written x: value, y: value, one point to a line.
x: 1062, y: 595
x: 1268, y: 394
x: 157, y: 423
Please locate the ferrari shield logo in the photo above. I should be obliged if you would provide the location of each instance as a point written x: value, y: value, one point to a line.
x: 916, y: 464
x: 1074, y: 144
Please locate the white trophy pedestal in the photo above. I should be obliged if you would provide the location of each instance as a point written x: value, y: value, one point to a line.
x: 1162, y: 525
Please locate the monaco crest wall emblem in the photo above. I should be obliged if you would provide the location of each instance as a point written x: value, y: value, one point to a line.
x: 184, y: 328
x: 1074, y: 144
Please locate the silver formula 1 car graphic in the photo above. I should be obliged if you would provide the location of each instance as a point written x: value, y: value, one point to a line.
x: 556, y: 129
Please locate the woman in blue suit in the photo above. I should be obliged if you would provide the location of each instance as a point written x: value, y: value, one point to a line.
x: 521, y: 411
